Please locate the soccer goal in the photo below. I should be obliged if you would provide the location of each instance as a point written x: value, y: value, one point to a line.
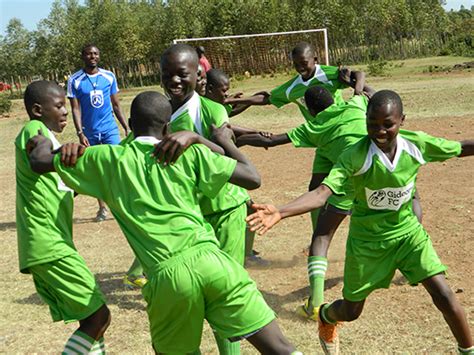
x: 261, y: 53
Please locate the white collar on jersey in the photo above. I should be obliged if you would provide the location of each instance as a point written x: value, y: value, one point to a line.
x: 318, y: 74
x: 53, y: 139
x: 147, y: 139
x: 402, y: 145
x: 193, y: 107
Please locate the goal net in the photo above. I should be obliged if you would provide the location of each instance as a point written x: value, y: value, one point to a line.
x: 262, y: 53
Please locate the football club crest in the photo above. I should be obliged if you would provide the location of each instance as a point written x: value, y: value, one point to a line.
x: 97, y: 98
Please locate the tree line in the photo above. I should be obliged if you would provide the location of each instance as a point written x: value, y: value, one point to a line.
x: 132, y: 34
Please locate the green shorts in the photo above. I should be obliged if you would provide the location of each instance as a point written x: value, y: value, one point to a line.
x: 201, y: 283
x: 68, y: 287
x: 371, y: 265
x: 229, y: 227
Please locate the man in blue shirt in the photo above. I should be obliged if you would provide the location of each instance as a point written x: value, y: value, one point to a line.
x: 93, y: 94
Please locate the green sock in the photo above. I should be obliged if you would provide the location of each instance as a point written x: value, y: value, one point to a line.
x: 98, y: 348
x: 78, y: 343
x: 317, y: 266
x: 136, y: 269
x: 324, y: 314
x: 314, y: 218
x: 226, y: 347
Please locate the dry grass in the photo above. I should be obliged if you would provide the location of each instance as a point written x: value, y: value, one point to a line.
x: 400, y: 320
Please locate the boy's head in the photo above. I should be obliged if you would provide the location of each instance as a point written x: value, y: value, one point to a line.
x: 200, y: 51
x: 150, y: 112
x: 317, y: 99
x: 384, y: 118
x: 90, y: 55
x: 218, y: 85
x: 304, y: 59
x: 45, y: 101
x: 179, y: 66
x: 201, y: 81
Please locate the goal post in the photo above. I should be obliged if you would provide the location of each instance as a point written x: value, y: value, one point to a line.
x: 260, y: 53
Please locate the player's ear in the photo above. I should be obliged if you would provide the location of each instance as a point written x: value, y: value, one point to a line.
x: 36, y: 110
x: 402, y: 120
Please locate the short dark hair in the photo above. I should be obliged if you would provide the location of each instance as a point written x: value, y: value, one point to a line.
x: 149, y: 109
x: 38, y: 92
x: 301, y: 48
x: 200, y: 50
x: 215, y: 77
x: 318, y: 98
x: 384, y: 97
x: 87, y: 46
x: 178, y: 49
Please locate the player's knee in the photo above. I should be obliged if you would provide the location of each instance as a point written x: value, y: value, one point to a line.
x: 443, y: 297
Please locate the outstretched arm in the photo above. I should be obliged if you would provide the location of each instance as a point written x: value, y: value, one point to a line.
x: 261, y: 140
x: 258, y: 99
x: 268, y: 215
x: 245, y: 173
x: 467, y: 148
x: 356, y: 80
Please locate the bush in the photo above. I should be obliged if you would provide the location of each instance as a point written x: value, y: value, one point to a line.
x: 381, y: 68
x: 5, y: 104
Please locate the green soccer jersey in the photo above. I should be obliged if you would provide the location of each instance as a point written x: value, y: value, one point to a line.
x: 347, y: 119
x: 383, y: 189
x: 197, y: 115
x: 294, y: 89
x: 155, y: 206
x: 44, y: 207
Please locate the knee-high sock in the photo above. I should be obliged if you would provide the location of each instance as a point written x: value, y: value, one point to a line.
x: 317, y: 266
x: 78, y: 343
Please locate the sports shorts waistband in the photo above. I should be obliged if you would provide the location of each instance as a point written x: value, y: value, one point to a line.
x: 185, y: 254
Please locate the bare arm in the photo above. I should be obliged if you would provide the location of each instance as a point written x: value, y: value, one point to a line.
x: 467, y: 148
x: 258, y: 100
x: 77, y: 119
x: 259, y: 140
x: 40, y: 154
x: 174, y: 144
x: 118, y: 112
x: 358, y: 80
x: 245, y: 173
x: 238, y: 109
x: 268, y: 215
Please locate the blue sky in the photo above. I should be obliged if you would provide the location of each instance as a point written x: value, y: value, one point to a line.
x: 30, y: 12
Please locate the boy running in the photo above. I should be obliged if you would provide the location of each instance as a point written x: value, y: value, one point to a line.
x: 157, y: 208
x: 384, y: 233
x: 44, y: 208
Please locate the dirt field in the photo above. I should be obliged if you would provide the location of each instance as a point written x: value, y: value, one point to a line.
x: 399, y: 320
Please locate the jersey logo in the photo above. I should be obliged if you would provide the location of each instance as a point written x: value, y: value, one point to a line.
x: 389, y: 198
x: 97, y: 98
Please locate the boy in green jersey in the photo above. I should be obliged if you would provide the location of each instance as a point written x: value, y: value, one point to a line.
x: 384, y: 233
x: 217, y: 89
x: 46, y: 250
x: 189, y: 278
x: 226, y: 211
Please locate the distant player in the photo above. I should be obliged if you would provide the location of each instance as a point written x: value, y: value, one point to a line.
x: 384, y: 233
x: 93, y: 93
x: 44, y: 207
x: 157, y: 208
x: 203, y: 61
x: 201, y: 81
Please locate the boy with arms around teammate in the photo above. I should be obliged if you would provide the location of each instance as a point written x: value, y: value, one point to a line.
x: 384, y: 233
x: 190, y: 278
x: 46, y: 250
x: 225, y: 212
